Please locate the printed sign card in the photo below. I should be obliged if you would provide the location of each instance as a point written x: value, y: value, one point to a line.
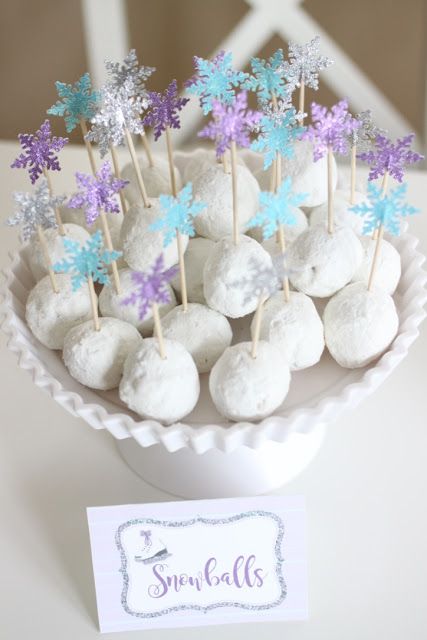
x: 194, y: 563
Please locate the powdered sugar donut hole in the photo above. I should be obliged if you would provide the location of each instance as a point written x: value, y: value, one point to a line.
x: 141, y: 246
x: 247, y: 388
x: 213, y: 187
x: 205, y: 333
x: 195, y: 258
x: 343, y: 217
x: 111, y: 304
x: 156, y: 179
x: 226, y: 269
x: 160, y: 389
x: 55, y: 248
x: 95, y: 358
x: 388, y: 269
x: 115, y: 220
x: 308, y: 176
x: 359, y: 325
x: 51, y: 315
x: 295, y: 327
x: 321, y: 263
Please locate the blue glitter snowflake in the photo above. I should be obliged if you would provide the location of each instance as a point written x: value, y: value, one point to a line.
x: 215, y: 80
x: 277, y: 209
x: 277, y: 136
x: 179, y: 213
x: 77, y: 101
x: 84, y: 261
x: 268, y: 78
x: 383, y: 210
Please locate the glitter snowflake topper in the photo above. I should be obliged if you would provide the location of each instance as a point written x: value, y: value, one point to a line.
x: 151, y: 287
x: 330, y: 129
x: 97, y: 193
x: 76, y: 101
x: 260, y: 281
x: 164, y: 110
x: 178, y: 214
x: 39, y: 151
x: 305, y: 62
x: 364, y: 135
x: 129, y: 71
x: 277, y: 209
x: 232, y: 123
x: 268, y: 78
x: 277, y: 134
x: 390, y: 157
x: 86, y: 261
x: 34, y: 210
x: 385, y: 211
x: 215, y: 80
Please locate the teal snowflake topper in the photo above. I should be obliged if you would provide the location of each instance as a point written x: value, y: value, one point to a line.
x: 277, y: 209
x: 34, y: 210
x: 383, y: 210
x: 268, y: 78
x: 215, y: 80
x: 76, y: 101
x: 277, y: 135
x: 178, y: 214
x: 86, y: 261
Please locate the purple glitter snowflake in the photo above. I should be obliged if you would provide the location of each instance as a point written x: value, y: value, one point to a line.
x: 39, y: 151
x: 330, y: 128
x: 231, y: 124
x: 164, y: 109
x: 390, y: 157
x: 97, y: 192
x: 151, y: 287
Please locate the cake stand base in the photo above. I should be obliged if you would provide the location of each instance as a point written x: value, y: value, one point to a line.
x: 214, y: 474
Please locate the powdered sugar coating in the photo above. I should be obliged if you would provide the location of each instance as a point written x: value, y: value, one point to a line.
x: 55, y: 248
x: 295, y: 327
x: 388, y: 269
x: 246, y: 388
x: 343, y: 217
x: 291, y: 232
x: 195, y: 258
x: 156, y: 179
x: 110, y: 304
x: 205, y: 333
x: 359, y: 325
x: 213, y: 187
x: 95, y: 358
x: 322, y: 263
x: 307, y: 176
x: 51, y: 315
x: 226, y: 267
x: 165, y: 390
x: 141, y: 245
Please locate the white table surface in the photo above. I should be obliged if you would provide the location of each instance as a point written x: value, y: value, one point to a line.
x: 365, y: 495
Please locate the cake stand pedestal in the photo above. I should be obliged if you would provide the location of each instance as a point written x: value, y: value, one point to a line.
x: 215, y: 474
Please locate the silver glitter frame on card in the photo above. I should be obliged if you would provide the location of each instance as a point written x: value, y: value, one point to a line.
x: 208, y: 521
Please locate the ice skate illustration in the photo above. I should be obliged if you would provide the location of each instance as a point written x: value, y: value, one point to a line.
x: 152, y: 550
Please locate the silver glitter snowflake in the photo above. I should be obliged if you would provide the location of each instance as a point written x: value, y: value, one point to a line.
x: 365, y: 134
x: 129, y: 71
x: 36, y: 209
x: 304, y: 64
x: 119, y: 109
x: 260, y: 281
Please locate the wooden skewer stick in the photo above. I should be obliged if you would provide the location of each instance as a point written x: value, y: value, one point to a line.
x: 330, y: 192
x: 182, y: 275
x: 61, y: 229
x: 88, y: 145
x: 301, y: 100
x: 281, y: 231
x: 225, y: 163
x: 375, y: 258
x: 234, y: 193
x: 353, y: 173
x: 116, y: 167
x: 136, y: 167
x: 93, y: 304
x: 158, y: 330
x: 147, y: 149
x: 46, y: 256
x: 170, y: 160
x: 257, y: 328
x: 109, y: 245
x: 384, y: 188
